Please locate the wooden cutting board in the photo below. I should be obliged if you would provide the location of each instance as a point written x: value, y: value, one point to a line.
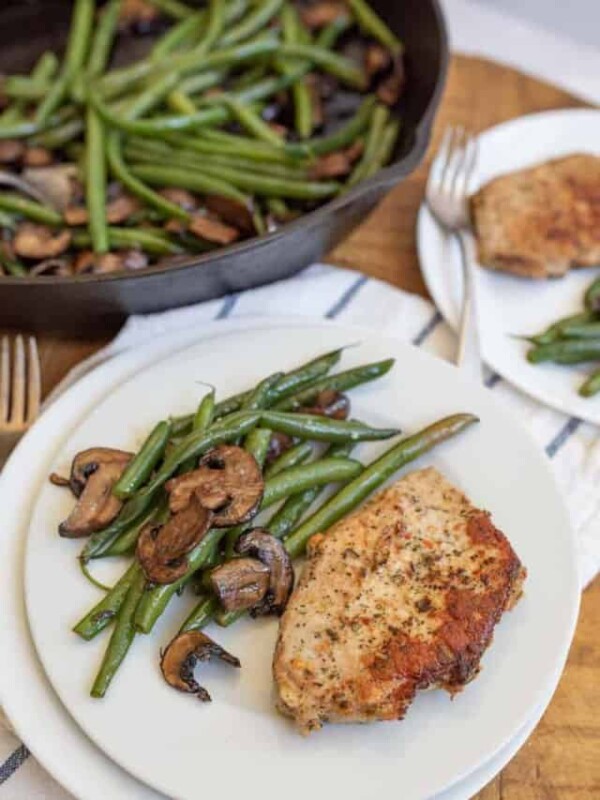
x: 561, y: 761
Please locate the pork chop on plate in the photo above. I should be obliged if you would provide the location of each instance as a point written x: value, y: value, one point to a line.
x: 401, y: 595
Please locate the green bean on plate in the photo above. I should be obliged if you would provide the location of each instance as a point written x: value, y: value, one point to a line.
x: 223, y: 500
x: 226, y: 126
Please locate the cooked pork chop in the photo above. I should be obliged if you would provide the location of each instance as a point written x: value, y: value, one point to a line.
x: 402, y: 595
x: 541, y: 221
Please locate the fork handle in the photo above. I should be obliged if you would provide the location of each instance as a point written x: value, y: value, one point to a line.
x: 469, y: 346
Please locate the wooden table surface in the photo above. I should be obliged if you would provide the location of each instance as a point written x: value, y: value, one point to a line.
x: 562, y: 758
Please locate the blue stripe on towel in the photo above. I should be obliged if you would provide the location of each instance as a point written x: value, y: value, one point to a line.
x: 562, y: 437
x: 13, y: 762
x: 228, y: 306
x: 347, y: 297
x: 428, y: 329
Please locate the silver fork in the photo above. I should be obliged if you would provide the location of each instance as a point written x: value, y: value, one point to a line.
x: 447, y: 197
x: 20, y: 390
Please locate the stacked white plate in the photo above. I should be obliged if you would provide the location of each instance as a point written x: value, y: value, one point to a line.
x: 144, y: 738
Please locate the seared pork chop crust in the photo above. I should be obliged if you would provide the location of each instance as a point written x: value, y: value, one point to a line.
x: 542, y: 221
x: 402, y: 595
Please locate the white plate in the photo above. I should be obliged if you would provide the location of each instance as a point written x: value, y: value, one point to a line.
x: 511, y: 305
x: 440, y: 742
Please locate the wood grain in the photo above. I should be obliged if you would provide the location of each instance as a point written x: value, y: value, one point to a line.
x: 561, y: 760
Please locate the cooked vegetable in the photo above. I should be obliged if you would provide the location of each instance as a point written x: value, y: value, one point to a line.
x: 181, y: 656
x: 592, y: 296
x: 567, y: 351
x: 241, y: 583
x: 308, y: 426
x: 591, y: 386
x: 140, y: 467
x: 260, y: 544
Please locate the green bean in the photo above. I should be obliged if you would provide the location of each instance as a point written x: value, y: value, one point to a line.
x: 257, y: 444
x: 310, y: 426
x: 379, y: 120
x: 6, y: 221
x: 126, y: 542
x: 15, y: 204
x: 374, y: 476
x: 20, y: 129
x: 200, y: 83
x: 24, y: 87
x: 149, y: 151
x: 103, y: 39
x: 263, y: 393
x: 184, y: 179
x: 173, y: 8
x: 77, y: 46
x: 13, y: 266
x: 209, y: 141
x: 581, y: 330
x: 214, y: 26
x: 253, y: 123
x: 95, y: 184
x: 591, y: 386
x: 192, y: 446
x: 555, y: 332
x: 200, y: 615
x: 189, y: 174
x: 140, y: 467
x: 104, y: 612
x: 569, y: 351
x: 84, y: 567
x: 297, y: 454
x: 137, y: 187
x: 592, y: 296
x: 340, y: 66
x: 121, y: 638
x: 151, y: 97
x: 178, y: 36
x: 58, y: 137
x: 203, y: 419
x: 44, y: 70
x: 252, y: 23
x: 385, y: 150
x: 344, y: 136
x: 340, y: 382
x: 154, y: 242
x: 372, y: 25
x: 332, y: 32
x: 154, y: 601
x: 292, y: 33
x: 180, y: 102
x: 306, y: 476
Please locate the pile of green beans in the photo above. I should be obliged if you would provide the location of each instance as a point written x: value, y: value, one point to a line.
x: 293, y: 485
x: 231, y: 101
x: 573, y: 340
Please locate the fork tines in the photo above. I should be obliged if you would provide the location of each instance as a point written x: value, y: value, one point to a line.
x: 20, y: 383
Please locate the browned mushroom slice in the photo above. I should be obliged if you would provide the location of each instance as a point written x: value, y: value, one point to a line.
x: 11, y: 151
x: 97, y: 506
x: 278, y: 444
x: 89, y: 461
x: 232, y: 212
x: 59, y: 480
x: 155, y: 570
x: 37, y: 157
x: 57, y: 182
x: 181, y: 656
x: 211, y: 230
x: 38, y: 241
x: 333, y: 165
x: 377, y: 58
x: 355, y: 151
x: 390, y: 89
x: 53, y: 266
x: 241, y: 584
x: 329, y: 403
x: 76, y: 215
x: 228, y: 482
x: 181, y: 198
x: 318, y: 15
x: 121, y: 208
x: 258, y: 543
x: 133, y: 259
x: 140, y: 15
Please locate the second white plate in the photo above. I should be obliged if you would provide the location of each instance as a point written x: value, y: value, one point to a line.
x: 176, y: 745
x: 509, y: 305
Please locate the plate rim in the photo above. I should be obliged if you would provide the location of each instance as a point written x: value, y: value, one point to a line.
x: 424, y: 216
x: 259, y: 323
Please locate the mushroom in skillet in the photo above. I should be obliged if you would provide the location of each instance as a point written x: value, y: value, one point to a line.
x: 94, y: 472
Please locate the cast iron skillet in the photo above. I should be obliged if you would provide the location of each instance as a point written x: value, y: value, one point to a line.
x: 85, y: 304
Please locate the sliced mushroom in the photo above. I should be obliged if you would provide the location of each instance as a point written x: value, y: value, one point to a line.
x: 241, y: 583
x: 76, y: 215
x: 318, y: 15
x: 155, y: 571
x: 228, y: 482
x: 258, y: 543
x: 181, y: 198
x: 37, y: 157
x: 58, y: 183
x: 181, y: 656
x: 377, y: 59
x: 117, y: 211
x: 59, y: 480
x: 212, y: 230
x: 11, y: 151
x: 138, y: 15
x: 161, y: 549
x: 333, y: 165
x: 232, y: 212
x: 97, y: 506
x: 53, y: 266
x: 278, y: 444
x: 390, y: 89
x: 355, y: 151
x: 89, y: 461
x: 38, y: 241
x: 133, y: 259
x: 329, y: 403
